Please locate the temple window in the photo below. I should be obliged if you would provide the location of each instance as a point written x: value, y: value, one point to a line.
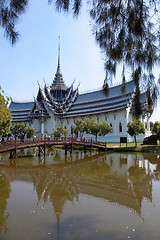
x: 145, y: 125
x: 120, y: 127
x: 71, y: 130
x: 111, y: 127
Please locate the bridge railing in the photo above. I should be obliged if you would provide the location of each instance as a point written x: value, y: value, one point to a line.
x: 45, y: 140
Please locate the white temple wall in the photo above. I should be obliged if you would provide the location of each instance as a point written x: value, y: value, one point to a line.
x: 50, y: 124
x: 118, y: 120
x: 37, y: 125
x: 113, y: 118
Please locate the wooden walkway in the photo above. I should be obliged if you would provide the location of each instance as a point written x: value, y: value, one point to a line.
x: 68, y: 143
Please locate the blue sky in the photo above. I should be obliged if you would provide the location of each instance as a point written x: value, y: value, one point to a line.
x: 34, y: 57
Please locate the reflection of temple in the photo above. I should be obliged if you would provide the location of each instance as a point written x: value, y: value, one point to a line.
x: 59, y: 104
x: 56, y: 188
x: 115, y: 178
x: 126, y: 184
x: 121, y: 179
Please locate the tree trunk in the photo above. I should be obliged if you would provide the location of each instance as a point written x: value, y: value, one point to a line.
x: 135, y: 140
x: 96, y: 135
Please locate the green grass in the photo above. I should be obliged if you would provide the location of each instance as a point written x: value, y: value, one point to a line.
x: 131, y: 147
x: 130, y: 144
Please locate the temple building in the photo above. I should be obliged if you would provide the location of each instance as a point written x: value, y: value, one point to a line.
x: 59, y: 104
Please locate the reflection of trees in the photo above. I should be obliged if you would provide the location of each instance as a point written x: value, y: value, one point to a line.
x: 157, y: 172
x: 4, y: 195
x: 137, y: 174
x: 94, y: 169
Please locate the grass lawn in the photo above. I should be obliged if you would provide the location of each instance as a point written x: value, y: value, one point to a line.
x: 131, y: 147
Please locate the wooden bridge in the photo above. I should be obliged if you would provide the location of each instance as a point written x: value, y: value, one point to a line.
x: 69, y: 144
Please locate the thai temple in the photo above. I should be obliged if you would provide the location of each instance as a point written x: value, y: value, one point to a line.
x: 59, y: 104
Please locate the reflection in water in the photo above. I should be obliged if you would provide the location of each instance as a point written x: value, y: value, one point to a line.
x: 56, y: 188
x: 124, y: 180
x: 4, y: 195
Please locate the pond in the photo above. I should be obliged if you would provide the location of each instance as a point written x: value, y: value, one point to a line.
x: 99, y: 197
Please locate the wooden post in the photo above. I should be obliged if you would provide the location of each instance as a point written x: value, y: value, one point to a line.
x: 11, y: 154
x: 39, y: 151
x: 65, y: 149
x: 85, y: 149
x: 44, y: 148
x: 71, y: 145
x: 91, y: 145
x: 44, y: 151
x: 16, y: 149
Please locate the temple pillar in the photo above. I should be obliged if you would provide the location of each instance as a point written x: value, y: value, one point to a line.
x: 143, y: 119
x: 42, y: 125
x: 147, y: 122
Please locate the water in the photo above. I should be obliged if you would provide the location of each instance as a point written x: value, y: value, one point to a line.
x: 101, y: 197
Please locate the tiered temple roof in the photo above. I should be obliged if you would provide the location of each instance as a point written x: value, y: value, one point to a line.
x: 55, y: 99
x: 20, y: 111
x: 100, y: 102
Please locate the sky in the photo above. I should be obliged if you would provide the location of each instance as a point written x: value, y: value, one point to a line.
x: 33, y: 59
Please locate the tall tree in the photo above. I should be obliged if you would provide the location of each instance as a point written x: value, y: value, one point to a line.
x: 5, y: 115
x: 10, y: 11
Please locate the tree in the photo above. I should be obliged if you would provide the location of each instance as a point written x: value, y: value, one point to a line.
x: 93, y: 127
x: 135, y: 128
x: 90, y: 126
x: 5, y: 115
x: 10, y: 11
x: 99, y: 128
x: 156, y: 129
x: 21, y: 130
x: 30, y: 131
x: 18, y: 131
x: 105, y: 128
x: 79, y: 127
x: 127, y: 32
x: 59, y: 131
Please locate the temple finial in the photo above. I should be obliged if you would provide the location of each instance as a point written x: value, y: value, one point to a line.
x: 58, y: 82
x: 59, y: 50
